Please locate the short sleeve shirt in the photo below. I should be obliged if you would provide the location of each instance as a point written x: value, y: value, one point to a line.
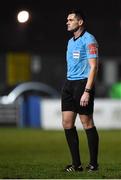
x: 79, y: 51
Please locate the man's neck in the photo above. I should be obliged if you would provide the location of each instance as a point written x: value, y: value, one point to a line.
x: 78, y: 33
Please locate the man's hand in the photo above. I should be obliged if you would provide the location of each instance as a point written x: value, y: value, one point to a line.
x: 84, y: 99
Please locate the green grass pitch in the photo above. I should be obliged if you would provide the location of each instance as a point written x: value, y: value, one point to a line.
x: 42, y: 154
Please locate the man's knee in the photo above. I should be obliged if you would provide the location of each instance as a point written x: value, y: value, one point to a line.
x: 68, y: 119
x: 87, y: 121
x: 67, y: 123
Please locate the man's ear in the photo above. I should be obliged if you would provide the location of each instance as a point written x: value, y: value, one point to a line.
x: 81, y: 22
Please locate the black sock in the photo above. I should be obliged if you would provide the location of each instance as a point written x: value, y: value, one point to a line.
x: 73, y: 143
x: 93, y: 141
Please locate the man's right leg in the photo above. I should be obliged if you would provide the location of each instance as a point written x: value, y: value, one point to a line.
x: 68, y: 121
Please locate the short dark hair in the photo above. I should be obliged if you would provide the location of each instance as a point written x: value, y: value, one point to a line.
x: 79, y: 14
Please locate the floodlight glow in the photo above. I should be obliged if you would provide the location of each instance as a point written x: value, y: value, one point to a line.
x: 23, y: 16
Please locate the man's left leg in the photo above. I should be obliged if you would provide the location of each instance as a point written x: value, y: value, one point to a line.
x: 93, y: 140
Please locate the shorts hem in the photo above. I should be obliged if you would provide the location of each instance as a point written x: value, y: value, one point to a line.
x: 85, y: 113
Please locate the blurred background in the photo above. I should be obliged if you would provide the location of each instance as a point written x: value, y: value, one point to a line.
x: 32, y: 58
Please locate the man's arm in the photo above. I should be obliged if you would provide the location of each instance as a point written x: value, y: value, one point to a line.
x: 91, y: 78
x: 93, y: 71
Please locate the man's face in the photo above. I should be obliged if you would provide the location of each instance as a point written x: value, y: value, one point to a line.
x: 73, y: 23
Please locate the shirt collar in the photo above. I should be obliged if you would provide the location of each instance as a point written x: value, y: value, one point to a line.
x: 80, y: 35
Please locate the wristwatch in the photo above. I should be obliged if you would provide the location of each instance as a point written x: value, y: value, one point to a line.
x: 87, y: 90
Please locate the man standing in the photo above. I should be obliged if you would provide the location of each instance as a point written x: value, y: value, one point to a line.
x: 78, y: 90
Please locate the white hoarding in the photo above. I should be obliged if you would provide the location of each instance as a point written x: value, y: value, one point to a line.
x: 107, y: 114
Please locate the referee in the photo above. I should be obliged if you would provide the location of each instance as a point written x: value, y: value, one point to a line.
x: 78, y: 91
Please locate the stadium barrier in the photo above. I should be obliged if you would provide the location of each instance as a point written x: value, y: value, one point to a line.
x: 37, y: 112
x: 107, y: 114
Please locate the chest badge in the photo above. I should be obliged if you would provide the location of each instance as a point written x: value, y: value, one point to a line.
x: 76, y: 54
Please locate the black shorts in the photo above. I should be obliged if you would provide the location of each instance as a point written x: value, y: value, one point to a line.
x: 71, y: 95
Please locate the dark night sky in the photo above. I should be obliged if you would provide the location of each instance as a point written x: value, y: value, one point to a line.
x: 46, y: 31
